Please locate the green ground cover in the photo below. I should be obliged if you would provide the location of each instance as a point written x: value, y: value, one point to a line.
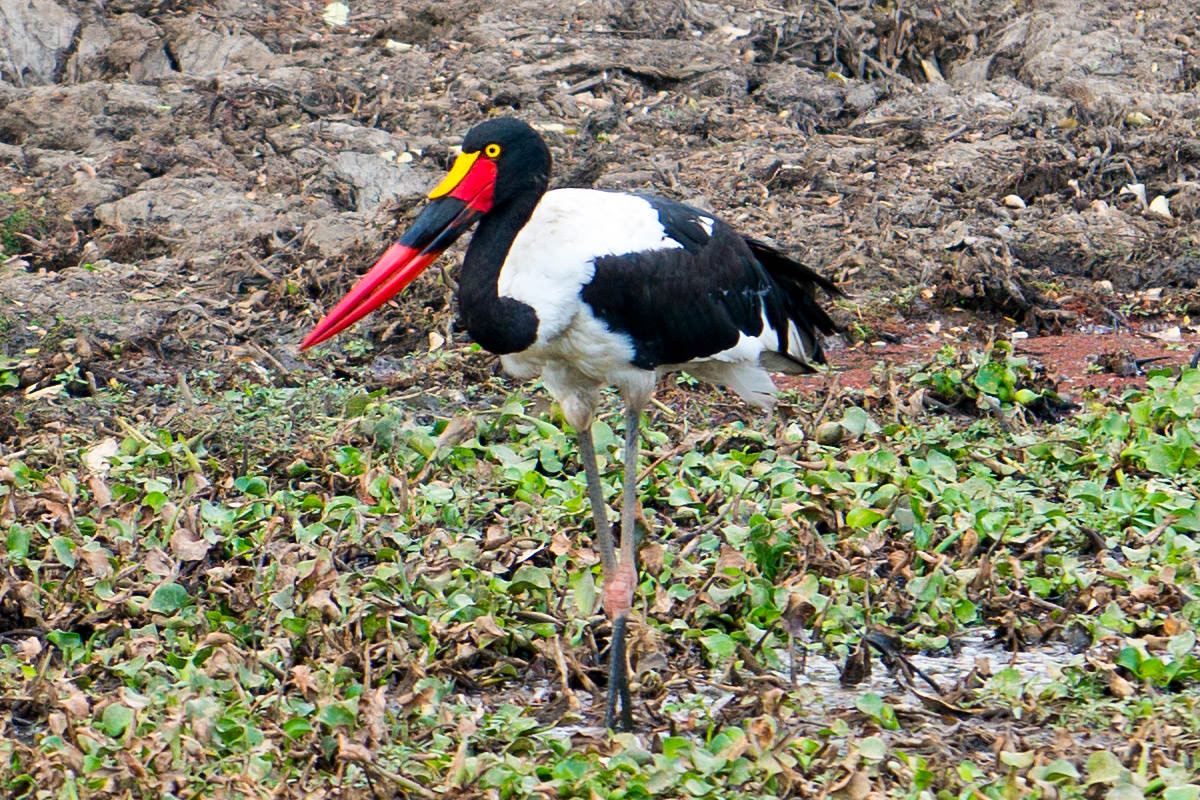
x: 283, y: 591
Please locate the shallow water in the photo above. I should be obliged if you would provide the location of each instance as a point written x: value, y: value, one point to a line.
x: 819, y: 690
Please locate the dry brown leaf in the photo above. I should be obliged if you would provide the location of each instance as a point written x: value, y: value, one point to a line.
x: 797, y: 613
x: 457, y: 431
x: 1120, y: 687
x: 421, y: 701
x: 322, y: 600
x: 56, y: 721
x: 100, y: 491
x: 187, y: 546
x: 74, y: 701
x: 217, y: 639
x: 1144, y: 592
x: 220, y: 663
x: 760, y: 733
x: 97, y: 560
x: 663, y: 603
x: 30, y: 648
x: 494, y: 537
x: 202, y: 729
x: 652, y: 558
x: 857, y: 787
x: 351, y: 751
x: 58, y: 511
x: 730, y: 559
x: 97, y: 459
x: 302, y: 676
x: 72, y: 755
x: 983, y: 574
x: 772, y: 702
x: 372, y: 708
x: 157, y: 563
x: 467, y: 726
x: 968, y: 543
x: 1156, y: 644
x: 560, y: 543
x: 487, y: 625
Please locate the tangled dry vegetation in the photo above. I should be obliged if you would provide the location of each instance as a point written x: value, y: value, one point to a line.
x: 233, y: 571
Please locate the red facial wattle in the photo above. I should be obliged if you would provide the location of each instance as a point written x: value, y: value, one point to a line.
x: 476, y: 187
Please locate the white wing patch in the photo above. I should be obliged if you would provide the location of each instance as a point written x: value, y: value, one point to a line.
x: 554, y: 255
x: 740, y: 367
x: 748, y: 348
x: 798, y: 346
x: 706, y: 223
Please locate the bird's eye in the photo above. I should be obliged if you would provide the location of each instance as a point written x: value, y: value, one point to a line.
x: 492, y: 150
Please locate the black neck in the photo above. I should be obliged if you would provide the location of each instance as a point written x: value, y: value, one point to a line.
x: 499, y: 324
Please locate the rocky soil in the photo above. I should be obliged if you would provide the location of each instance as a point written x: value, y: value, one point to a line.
x: 188, y: 185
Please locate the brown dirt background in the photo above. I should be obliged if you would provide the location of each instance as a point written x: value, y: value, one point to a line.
x: 187, y: 186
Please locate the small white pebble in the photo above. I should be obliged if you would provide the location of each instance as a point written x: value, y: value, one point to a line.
x: 1138, y: 190
x: 1013, y: 201
x: 336, y: 14
x: 1103, y: 287
x: 1161, y: 207
x: 1017, y: 335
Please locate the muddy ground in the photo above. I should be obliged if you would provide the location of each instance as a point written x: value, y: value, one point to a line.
x: 186, y: 186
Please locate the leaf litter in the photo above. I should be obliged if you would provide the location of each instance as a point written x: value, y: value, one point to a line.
x: 233, y: 571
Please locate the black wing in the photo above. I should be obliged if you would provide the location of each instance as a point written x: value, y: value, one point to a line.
x: 795, y: 299
x: 695, y: 300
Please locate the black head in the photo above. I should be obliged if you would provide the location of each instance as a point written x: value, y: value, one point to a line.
x: 521, y: 157
x: 505, y: 166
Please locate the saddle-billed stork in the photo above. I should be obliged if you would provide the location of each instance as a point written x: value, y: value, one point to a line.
x: 592, y: 288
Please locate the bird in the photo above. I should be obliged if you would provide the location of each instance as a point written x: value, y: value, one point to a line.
x: 592, y: 288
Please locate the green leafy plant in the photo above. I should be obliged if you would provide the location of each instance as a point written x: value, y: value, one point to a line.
x: 976, y: 381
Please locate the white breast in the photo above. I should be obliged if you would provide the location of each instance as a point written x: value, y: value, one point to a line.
x: 554, y: 255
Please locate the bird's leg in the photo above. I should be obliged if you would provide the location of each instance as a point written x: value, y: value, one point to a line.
x: 619, y: 585
x: 604, y: 538
x: 620, y: 575
x: 617, y: 682
x: 629, y: 495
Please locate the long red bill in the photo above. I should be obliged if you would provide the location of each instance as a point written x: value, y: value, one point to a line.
x: 396, y: 268
x: 462, y: 198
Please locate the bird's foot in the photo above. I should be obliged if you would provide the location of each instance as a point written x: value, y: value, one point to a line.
x: 618, y: 680
x: 617, y: 599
